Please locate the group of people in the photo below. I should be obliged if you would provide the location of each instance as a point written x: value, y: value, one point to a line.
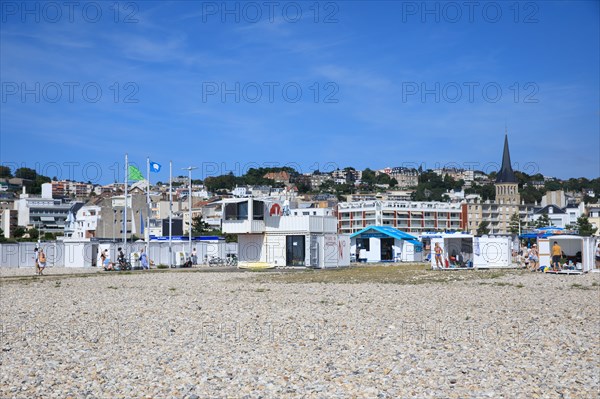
x: 531, y: 257
x: 121, y: 260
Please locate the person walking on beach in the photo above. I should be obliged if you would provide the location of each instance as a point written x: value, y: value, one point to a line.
x: 438, y: 255
x: 194, y: 257
x: 36, y: 261
x: 556, y: 255
x: 41, y: 261
x: 144, y: 259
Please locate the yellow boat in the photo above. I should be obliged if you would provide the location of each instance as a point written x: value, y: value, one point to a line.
x: 255, y: 265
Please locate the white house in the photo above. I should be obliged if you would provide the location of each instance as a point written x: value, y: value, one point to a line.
x: 269, y: 238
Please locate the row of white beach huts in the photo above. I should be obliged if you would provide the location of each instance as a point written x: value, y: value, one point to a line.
x: 272, y: 235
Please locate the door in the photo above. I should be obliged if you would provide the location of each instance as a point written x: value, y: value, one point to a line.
x: 387, y: 252
x: 295, y: 250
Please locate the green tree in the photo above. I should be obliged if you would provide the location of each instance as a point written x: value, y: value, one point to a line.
x: 514, y: 223
x: 584, y: 226
x: 19, y: 232
x: 483, y: 228
x: 199, y: 226
x: 49, y: 236
x: 26, y: 173
x: 543, y: 221
x: 33, y: 233
x: 5, y: 172
x: 368, y: 177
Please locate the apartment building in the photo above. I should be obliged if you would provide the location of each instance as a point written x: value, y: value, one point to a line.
x: 410, y: 216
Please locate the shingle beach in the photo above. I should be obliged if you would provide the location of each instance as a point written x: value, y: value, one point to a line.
x: 307, y: 334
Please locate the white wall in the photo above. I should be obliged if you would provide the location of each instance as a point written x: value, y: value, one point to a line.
x: 494, y: 252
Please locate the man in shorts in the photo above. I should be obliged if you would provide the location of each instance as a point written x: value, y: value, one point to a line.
x: 556, y: 255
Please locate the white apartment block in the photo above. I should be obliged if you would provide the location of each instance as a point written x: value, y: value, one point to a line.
x: 409, y: 216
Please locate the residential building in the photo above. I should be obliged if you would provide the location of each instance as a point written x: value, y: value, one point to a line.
x: 8, y: 222
x: 282, y: 177
x: 409, y: 216
x: 406, y: 177
x: 593, y: 212
x: 85, y: 222
x: 67, y: 188
x: 110, y: 220
x: 42, y: 212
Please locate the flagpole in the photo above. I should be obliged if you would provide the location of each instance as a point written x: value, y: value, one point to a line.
x: 170, y: 214
x: 125, y: 207
x: 146, y: 230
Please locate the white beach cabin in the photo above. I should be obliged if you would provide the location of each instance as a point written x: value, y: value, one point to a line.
x: 385, y: 244
x: 464, y: 251
x: 580, y: 250
x: 269, y: 236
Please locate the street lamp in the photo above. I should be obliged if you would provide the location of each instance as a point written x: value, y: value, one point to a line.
x: 189, y: 169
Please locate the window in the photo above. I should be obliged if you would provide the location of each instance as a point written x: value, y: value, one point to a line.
x: 236, y: 211
x: 363, y: 243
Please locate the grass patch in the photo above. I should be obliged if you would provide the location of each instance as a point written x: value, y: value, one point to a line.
x: 405, y: 274
x: 57, y: 284
x: 519, y: 285
x: 162, y: 266
x: 262, y: 290
x: 595, y: 284
x: 111, y: 287
x: 172, y: 288
x: 579, y: 286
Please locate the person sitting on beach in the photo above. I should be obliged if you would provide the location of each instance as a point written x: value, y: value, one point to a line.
x: 438, y: 255
x: 106, y: 263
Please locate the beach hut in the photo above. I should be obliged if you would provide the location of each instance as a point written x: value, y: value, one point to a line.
x: 579, y: 250
x: 464, y: 251
x: 385, y: 244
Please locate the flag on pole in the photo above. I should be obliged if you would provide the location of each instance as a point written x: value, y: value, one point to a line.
x: 155, y: 167
x: 141, y: 223
x: 134, y: 174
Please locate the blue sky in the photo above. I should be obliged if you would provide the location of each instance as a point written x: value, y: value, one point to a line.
x: 379, y: 84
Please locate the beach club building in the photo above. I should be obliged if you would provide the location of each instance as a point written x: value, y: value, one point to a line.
x: 271, y: 235
x: 385, y: 244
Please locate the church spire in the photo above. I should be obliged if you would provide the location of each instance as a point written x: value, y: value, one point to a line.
x: 506, y: 174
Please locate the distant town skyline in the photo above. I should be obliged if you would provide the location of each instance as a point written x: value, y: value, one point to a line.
x: 229, y: 86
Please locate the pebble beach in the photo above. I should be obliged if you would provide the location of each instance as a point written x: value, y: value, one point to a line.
x: 174, y: 334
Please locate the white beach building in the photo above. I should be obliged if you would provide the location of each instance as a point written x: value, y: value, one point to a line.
x: 270, y: 237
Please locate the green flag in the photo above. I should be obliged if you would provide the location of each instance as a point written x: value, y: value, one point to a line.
x: 134, y: 174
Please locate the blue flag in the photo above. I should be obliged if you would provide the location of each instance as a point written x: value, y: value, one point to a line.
x: 141, y: 223
x: 154, y: 167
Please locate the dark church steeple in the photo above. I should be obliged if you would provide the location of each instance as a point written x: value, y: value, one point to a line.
x: 506, y: 174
